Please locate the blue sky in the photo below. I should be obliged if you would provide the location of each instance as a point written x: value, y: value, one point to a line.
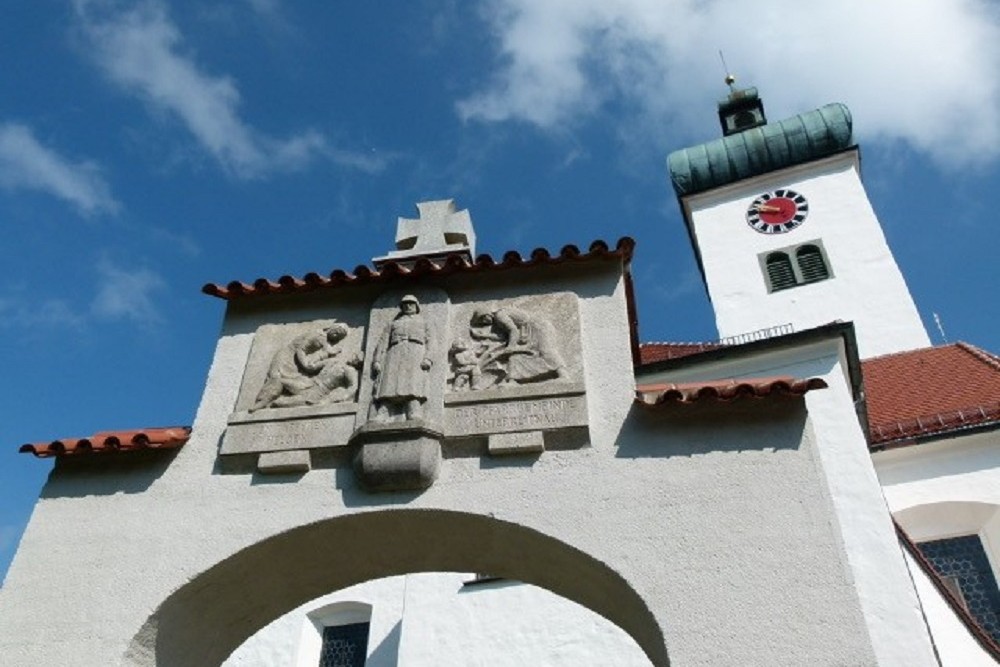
x: 147, y: 148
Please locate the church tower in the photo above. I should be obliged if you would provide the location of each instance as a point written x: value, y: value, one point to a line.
x: 784, y: 231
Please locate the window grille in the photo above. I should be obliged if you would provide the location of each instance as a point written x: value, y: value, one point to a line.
x: 811, y: 264
x: 344, y: 645
x: 964, y: 560
x: 779, y: 271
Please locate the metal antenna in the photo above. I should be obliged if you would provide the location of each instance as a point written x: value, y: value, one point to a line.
x: 940, y: 327
x: 730, y: 79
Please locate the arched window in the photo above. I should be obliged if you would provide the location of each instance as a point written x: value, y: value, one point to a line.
x: 812, y: 266
x: 795, y: 265
x: 779, y: 271
x: 338, y: 634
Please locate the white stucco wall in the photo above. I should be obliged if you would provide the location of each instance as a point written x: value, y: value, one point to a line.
x: 942, y: 489
x: 946, y: 488
x: 714, y: 536
x: 872, y: 555
x: 448, y: 622
x: 866, y: 288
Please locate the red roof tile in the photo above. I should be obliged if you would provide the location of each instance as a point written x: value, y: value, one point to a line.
x: 930, y: 391
x: 423, y: 267
x: 655, y: 395
x: 111, y: 442
x: 652, y: 352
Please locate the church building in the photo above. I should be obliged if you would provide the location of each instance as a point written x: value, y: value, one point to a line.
x: 448, y: 458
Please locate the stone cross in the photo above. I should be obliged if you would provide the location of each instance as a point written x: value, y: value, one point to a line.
x: 441, y: 229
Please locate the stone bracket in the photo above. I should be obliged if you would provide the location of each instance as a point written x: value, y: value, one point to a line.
x: 506, y: 444
x: 283, y: 463
x: 400, y: 456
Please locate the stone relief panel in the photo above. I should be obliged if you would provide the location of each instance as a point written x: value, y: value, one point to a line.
x: 313, y: 369
x: 300, y: 387
x: 515, y: 366
x: 505, y: 344
x: 397, y: 380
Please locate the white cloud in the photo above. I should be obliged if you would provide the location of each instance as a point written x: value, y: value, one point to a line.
x: 27, y: 164
x: 127, y: 294
x: 123, y: 293
x: 918, y: 71
x: 38, y: 313
x: 265, y: 7
x: 142, y: 51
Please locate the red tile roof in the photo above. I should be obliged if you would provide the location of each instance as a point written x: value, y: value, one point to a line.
x: 652, y: 352
x: 423, y: 267
x: 656, y: 395
x: 930, y: 391
x: 112, y: 441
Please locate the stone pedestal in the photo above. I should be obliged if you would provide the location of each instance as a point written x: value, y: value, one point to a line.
x: 398, y: 456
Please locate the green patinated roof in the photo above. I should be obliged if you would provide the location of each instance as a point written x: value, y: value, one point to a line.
x: 756, y: 151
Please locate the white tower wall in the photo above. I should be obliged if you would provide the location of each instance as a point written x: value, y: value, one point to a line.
x: 866, y: 285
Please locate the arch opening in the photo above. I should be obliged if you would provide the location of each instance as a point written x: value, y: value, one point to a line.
x: 204, y: 620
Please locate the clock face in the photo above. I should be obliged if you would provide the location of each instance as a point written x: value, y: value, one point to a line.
x: 777, y: 212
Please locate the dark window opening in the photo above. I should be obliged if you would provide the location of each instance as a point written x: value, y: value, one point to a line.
x: 344, y: 645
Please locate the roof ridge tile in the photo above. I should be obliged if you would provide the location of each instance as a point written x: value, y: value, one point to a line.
x: 979, y: 353
x: 363, y: 273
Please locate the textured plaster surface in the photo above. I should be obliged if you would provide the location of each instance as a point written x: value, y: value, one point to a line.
x: 842, y: 218
x: 868, y: 546
x: 711, y: 536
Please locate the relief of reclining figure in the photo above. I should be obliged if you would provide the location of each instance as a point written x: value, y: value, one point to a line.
x: 311, y: 370
x: 514, y: 347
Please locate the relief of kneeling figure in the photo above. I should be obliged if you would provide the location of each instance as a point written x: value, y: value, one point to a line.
x: 524, y: 346
x: 308, y: 371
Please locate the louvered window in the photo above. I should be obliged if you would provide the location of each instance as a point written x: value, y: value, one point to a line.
x: 779, y: 271
x: 794, y: 266
x: 812, y: 266
x: 344, y: 645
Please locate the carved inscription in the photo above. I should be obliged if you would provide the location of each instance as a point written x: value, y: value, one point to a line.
x: 540, y: 414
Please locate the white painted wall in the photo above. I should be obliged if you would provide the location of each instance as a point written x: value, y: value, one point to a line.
x: 714, y: 536
x: 866, y: 288
x: 946, y: 488
x: 941, y: 489
x: 497, y: 624
x: 872, y: 555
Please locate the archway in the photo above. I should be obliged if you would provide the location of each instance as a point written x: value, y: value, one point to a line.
x: 204, y: 620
